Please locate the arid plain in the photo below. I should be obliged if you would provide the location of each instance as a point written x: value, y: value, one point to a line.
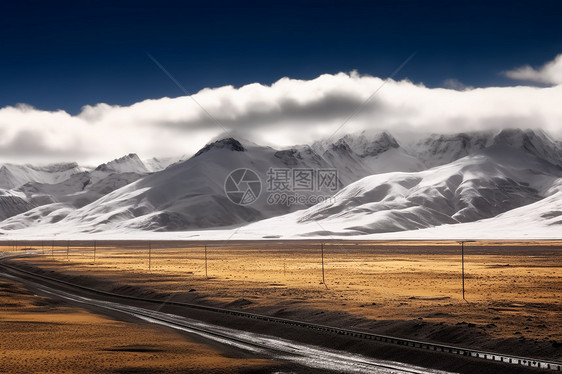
x: 410, y: 289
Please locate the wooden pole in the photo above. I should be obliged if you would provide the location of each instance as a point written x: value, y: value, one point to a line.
x: 206, y: 273
x: 462, y: 266
x: 53, y: 249
x: 462, y: 260
x: 67, y: 250
x: 323, y: 278
x: 95, y: 245
x: 149, y: 256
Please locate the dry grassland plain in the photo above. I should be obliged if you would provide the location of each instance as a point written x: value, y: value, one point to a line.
x: 39, y: 334
x: 411, y: 289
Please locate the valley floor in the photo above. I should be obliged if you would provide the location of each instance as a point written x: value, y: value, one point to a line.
x: 408, y: 289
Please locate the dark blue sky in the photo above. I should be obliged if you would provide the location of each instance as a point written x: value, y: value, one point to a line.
x: 58, y: 55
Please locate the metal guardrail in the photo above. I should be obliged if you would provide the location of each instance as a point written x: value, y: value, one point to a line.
x: 468, y: 352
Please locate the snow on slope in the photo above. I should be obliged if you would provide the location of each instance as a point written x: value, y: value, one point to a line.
x: 437, y: 149
x: 13, y: 203
x: 158, y: 164
x: 366, y: 153
x: 13, y: 176
x: 78, y: 189
x: 207, y: 204
x: 191, y: 194
x: 38, y: 217
x: 82, y: 188
x: 130, y: 163
x: 535, y: 142
x: 501, y: 172
x: 540, y: 220
x: 24, y: 187
x: 476, y: 187
x: 44, y: 208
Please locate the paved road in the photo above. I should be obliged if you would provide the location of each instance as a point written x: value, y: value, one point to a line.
x: 260, y: 344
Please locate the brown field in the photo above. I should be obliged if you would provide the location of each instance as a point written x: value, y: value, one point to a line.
x: 40, y: 334
x: 513, y: 289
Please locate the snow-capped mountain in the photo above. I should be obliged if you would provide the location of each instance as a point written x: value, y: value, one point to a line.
x: 438, y: 149
x: 540, y: 220
x: 535, y: 142
x: 483, y: 185
x: 68, y: 187
x: 130, y: 163
x: 366, y: 153
x: 191, y: 194
x: 12, y: 203
x: 158, y: 164
x: 384, y: 186
x: 12, y: 176
x: 363, y: 144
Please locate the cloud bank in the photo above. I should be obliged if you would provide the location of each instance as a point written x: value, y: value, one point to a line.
x: 550, y: 73
x: 288, y: 112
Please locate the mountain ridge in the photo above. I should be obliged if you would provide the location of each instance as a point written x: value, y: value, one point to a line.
x: 126, y: 194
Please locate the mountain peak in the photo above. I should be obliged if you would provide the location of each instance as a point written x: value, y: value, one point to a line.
x: 366, y: 145
x: 440, y: 149
x: 535, y: 142
x: 341, y: 146
x: 226, y: 143
x: 518, y: 137
x: 128, y: 163
x: 362, y: 144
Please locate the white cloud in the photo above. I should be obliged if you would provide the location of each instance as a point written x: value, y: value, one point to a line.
x: 288, y: 112
x: 550, y: 73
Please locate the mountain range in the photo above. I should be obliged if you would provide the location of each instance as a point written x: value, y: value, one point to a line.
x: 383, y: 185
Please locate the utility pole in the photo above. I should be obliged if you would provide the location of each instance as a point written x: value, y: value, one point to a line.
x: 95, y: 245
x: 462, y: 260
x: 149, y: 256
x: 462, y: 264
x: 206, y: 274
x: 67, y: 250
x: 53, y: 249
x: 323, y: 278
